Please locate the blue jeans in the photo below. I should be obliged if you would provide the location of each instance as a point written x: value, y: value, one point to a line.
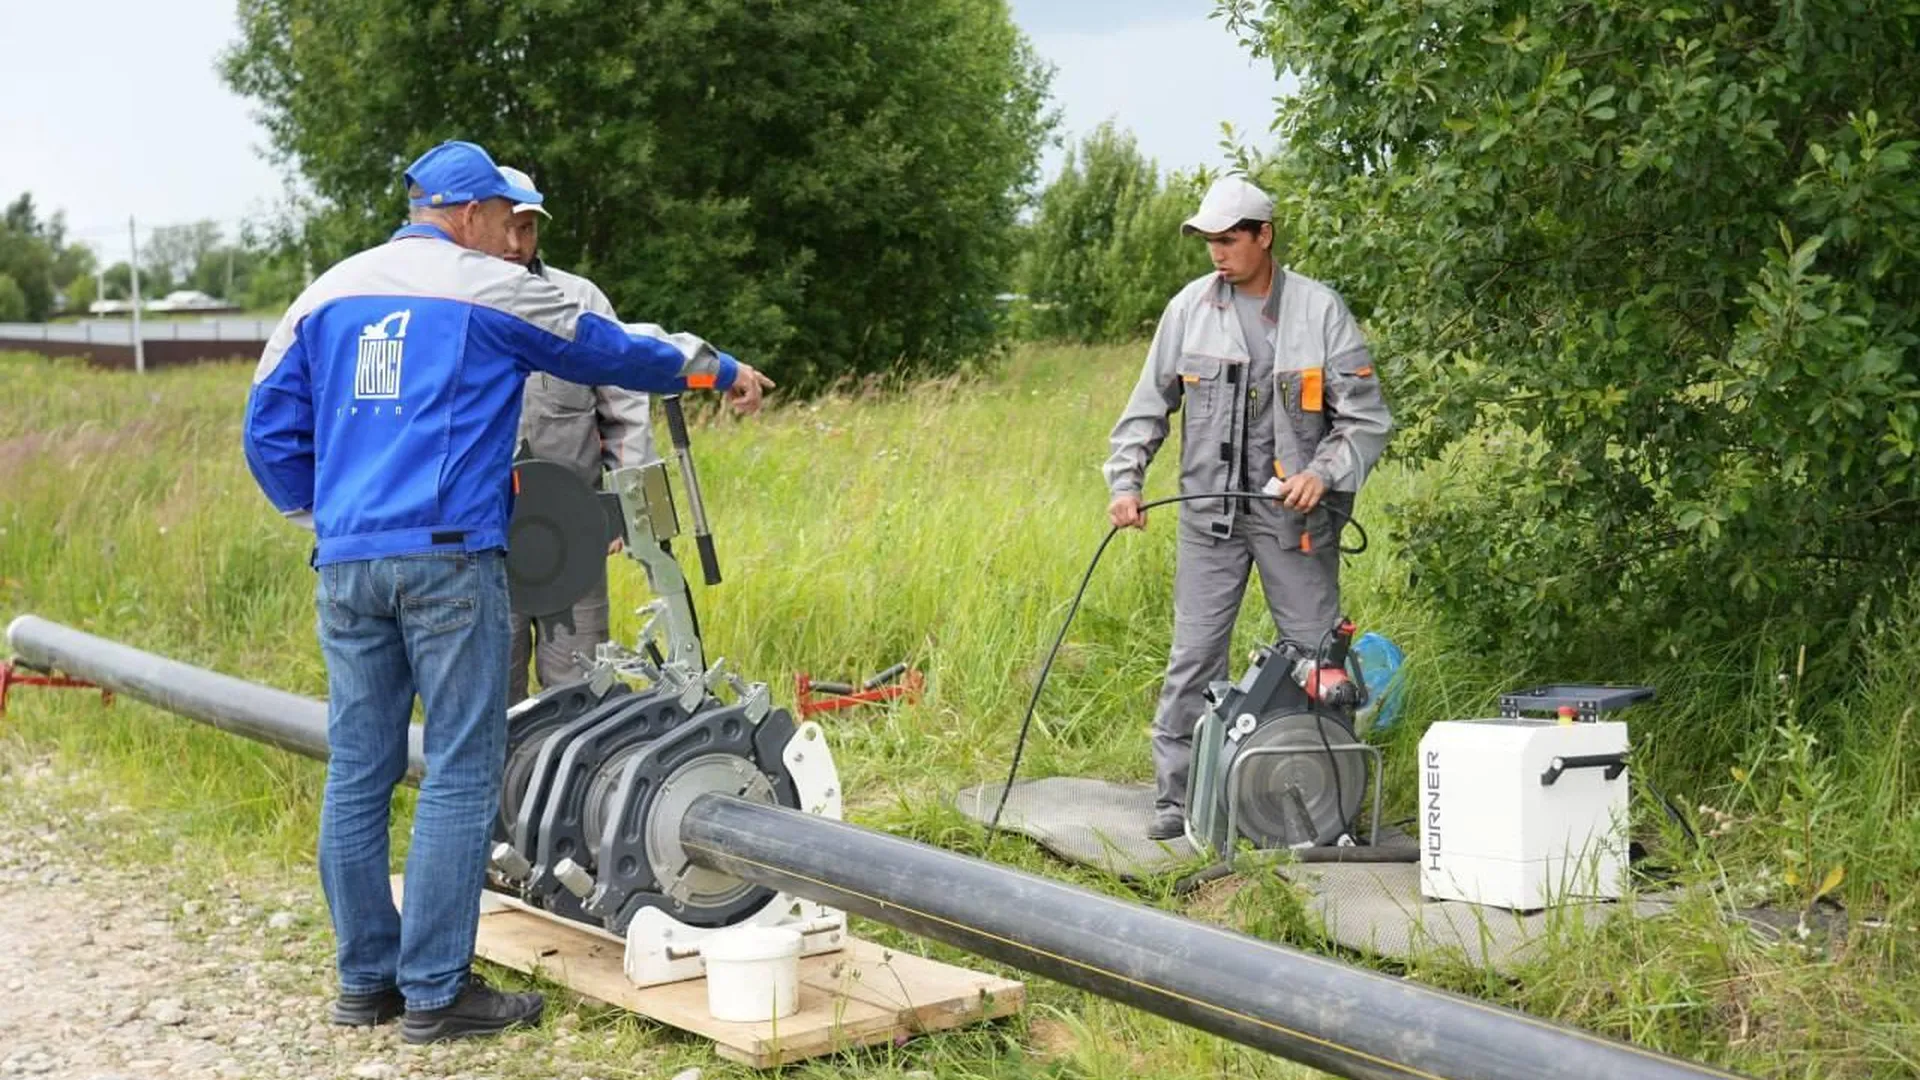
x: 436, y: 625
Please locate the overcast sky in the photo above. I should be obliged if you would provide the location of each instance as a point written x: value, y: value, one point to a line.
x: 113, y: 108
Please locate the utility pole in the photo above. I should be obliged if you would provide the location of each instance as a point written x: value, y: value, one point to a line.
x: 228, y: 295
x: 139, y: 346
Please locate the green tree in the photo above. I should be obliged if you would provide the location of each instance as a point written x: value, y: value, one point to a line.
x: 827, y: 188
x: 13, y: 302
x: 1645, y: 277
x: 154, y: 282
x: 21, y: 216
x: 72, y: 263
x: 46, y: 271
x: 225, y: 271
x: 175, y: 253
x: 28, y: 249
x: 116, y: 282
x: 79, y: 293
x: 276, y: 277
x: 1104, y: 253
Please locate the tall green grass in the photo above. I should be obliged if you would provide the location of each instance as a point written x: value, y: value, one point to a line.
x: 948, y: 526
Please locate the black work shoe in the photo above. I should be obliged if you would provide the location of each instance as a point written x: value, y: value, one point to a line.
x: 1167, y: 824
x: 479, y: 1010
x: 368, y: 1010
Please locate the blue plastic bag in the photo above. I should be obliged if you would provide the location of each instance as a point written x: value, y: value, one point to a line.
x: 1380, y: 661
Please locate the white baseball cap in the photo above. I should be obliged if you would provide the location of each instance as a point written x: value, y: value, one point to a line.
x: 1229, y: 201
x: 522, y: 180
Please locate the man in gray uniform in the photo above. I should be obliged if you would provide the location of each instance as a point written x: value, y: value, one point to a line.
x: 1230, y: 346
x: 585, y: 428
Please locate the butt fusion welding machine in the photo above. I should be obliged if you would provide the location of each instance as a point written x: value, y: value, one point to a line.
x: 599, y: 773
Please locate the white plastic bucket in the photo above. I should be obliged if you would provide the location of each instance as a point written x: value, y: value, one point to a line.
x: 753, y: 973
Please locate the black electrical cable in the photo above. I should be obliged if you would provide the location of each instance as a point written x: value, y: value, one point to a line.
x: 1020, y: 743
x: 1330, y: 853
x: 1673, y: 812
x: 1333, y: 764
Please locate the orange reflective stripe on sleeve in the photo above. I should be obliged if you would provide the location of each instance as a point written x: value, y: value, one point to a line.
x: 700, y: 382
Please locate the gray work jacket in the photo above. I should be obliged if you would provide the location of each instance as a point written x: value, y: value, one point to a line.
x: 1331, y: 417
x: 587, y: 428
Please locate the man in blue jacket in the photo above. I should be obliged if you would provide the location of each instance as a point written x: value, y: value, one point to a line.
x: 383, y: 415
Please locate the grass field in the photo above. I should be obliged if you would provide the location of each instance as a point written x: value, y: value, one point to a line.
x: 949, y: 527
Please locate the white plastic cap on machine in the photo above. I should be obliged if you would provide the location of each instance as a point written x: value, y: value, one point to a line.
x: 1228, y: 202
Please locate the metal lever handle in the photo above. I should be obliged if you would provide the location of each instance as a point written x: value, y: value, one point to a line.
x: 1615, y: 764
x: 683, y: 450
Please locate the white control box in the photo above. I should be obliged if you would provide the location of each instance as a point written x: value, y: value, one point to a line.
x: 1523, y: 814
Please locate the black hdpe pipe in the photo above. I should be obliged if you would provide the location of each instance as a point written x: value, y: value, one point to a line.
x: 275, y: 717
x: 1345, y: 1020
x: 1333, y: 1016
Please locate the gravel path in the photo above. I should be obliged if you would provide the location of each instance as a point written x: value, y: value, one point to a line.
x: 111, y: 971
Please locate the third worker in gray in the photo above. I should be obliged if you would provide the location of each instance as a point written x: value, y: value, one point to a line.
x: 588, y: 429
x: 1277, y: 394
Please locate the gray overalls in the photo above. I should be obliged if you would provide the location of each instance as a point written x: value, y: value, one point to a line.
x: 1331, y: 419
x: 585, y: 428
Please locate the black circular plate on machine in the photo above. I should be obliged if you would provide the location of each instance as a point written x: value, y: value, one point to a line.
x: 556, y: 539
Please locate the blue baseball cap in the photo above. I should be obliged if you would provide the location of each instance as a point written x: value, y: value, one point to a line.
x: 461, y: 172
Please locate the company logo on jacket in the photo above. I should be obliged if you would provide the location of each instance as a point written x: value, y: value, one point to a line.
x: 377, y: 374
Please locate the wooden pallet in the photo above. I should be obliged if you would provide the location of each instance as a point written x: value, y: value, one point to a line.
x: 863, y: 995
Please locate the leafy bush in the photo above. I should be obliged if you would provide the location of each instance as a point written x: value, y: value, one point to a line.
x: 1646, y: 277
x: 1105, y: 252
